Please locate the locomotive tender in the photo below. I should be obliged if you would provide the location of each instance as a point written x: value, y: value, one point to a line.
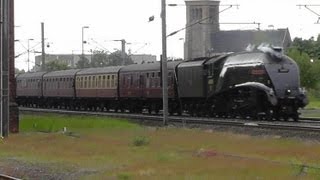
x: 249, y: 84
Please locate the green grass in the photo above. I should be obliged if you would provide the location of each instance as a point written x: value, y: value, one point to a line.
x: 55, y: 123
x: 314, y: 99
x: 118, y: 149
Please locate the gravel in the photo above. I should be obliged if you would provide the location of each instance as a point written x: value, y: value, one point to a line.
x: 38, y: 171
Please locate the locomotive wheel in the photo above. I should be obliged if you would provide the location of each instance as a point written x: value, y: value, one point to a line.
x: 295, y: 118
x: 101, y: 107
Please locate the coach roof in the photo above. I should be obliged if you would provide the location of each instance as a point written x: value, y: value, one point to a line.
x: 31, y: 75
x: 102, y: 70
x: 149, y: 66
x: 64, y: 73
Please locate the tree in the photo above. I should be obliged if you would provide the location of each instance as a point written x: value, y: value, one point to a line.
x: 310, y: 46
x: 83, y: 63
x: 99, y: 59
x: 56, y: 66
x: 309, y: 70
x: 116, y: 59
x: 18, y: 71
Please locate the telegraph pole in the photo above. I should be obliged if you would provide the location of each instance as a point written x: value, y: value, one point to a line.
x: 1, y: 58
x: 164, y: 63
x: 43, y: 55
x: 4, y: 67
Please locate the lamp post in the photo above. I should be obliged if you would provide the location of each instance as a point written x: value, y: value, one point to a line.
x: 164, y: 63
x: 29, y: 53
x: 83, y: 42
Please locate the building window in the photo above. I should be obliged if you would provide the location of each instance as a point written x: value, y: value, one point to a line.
x: 196, y: 14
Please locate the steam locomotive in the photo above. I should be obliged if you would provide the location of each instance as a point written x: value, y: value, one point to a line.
x: 257, y: 84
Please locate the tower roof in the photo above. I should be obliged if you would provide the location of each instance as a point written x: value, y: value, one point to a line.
x: 202, y: 2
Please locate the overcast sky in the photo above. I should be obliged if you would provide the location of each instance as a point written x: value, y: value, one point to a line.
x: 127, y: 19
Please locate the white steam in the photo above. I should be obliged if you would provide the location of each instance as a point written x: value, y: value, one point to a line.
x: 266, y: 48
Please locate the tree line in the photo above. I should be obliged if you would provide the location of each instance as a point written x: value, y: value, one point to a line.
x: 307, y: 55
x: 98, y: 59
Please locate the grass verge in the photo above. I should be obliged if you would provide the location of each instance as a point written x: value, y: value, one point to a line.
x: 119, y: 149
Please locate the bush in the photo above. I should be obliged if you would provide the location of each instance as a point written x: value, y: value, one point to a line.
x: 140, y: 141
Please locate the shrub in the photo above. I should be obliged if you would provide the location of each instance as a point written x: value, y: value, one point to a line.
x: 140, y: 141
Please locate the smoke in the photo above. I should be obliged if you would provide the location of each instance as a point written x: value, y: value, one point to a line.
x: 274, y: 51
x: 266, y: 48
x: 251, y: 47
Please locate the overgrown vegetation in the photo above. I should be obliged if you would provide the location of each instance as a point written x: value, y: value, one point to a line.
x: 307, y: 55
x: 140, y: 141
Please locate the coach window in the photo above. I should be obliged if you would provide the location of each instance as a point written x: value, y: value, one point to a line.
x: 115, y: 80
x: 81, y: 82
x: 63, y: 83
x: 76, y: 82
x: 123, y: 79
x: 156, y: 80
x: 93, y: 85
x: 99, y: 82
x: 131, y: 80
x: 39, y: 84
x: 58, y: 83
x: 147, y: 81
x: 85, y: 82
x: 159, y: 79
x: 112, y: 81
x: 70, y: 82
x: 108, y: 81
x: 90, y: 82
x: 103, y: 81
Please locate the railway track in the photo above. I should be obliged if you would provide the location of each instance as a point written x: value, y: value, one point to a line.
x: 305, y: 124
x: 6, y: 177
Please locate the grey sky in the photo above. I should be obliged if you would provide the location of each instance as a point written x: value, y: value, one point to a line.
x: 127, y: 19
